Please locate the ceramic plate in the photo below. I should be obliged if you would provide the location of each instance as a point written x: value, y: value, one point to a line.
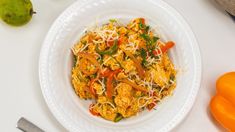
x: 56, y: 63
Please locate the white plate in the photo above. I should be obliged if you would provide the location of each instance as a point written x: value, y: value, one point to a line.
x: 56, y: 63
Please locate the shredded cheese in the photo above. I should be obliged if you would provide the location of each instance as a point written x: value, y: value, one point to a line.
x: 102, y: 85
x: 109, y: 104
x: 84, y: 47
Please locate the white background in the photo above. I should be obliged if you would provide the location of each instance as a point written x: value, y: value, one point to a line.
x: 20, y: 93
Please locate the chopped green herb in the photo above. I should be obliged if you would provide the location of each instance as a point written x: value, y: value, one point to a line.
x: 147, y: 28
x: 155, y: 39
x: 145, y: 37
x: 142, y: 26
x: 150, y: 43
x: 143, y: 54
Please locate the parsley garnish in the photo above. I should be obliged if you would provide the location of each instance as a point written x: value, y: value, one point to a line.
x: 143, y: 54
x: 150, y: 42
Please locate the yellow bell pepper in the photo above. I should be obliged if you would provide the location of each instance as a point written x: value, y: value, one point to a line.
x: 222, y: 105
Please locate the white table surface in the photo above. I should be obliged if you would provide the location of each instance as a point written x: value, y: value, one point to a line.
x: 20, y: 93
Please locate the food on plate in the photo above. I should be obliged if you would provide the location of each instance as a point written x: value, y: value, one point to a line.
x: 222, y: 105
x: 124, y: 69
x: 16, y: 12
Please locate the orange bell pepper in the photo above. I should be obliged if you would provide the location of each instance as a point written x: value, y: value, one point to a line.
x: 222, y: 105
x: 110, y: 75
x: 164, y: 48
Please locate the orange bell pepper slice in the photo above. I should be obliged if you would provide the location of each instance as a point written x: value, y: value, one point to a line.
x: 222, y: 105
x: 137, y: 64
x: 164, y: 48
x: 109, y: 74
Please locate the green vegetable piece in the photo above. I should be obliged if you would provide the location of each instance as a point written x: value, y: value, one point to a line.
x: 155, y: 39
x: 118, y: 118
x: 145, y: 37
x: 112, y: 50
x: 150, y: 43
x: 147, y: 28
x: 143, y: 54
x: 16, y: 12
x: 141, y: 26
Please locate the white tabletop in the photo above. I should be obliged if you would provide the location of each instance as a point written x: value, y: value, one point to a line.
x: 20, y: 93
